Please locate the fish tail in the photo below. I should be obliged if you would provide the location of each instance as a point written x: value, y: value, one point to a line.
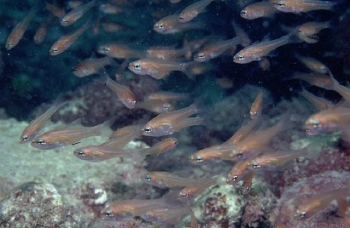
x: 104, y: 129
x: 187, y: 69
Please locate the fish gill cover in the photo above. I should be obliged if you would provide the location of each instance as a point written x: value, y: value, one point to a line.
x: 175, y: 113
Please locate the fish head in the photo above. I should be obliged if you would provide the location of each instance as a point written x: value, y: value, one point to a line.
x: 44, y: 143
x: 87, y: 154
x: 66, y: 20
x: 110, y: 214
x: 55, y: 50
x: 231, y: 179
x: 138, y: 67
x: 157, y: 130
x: 241, y: 58
x: 315, y: 126
x: 154, y: 181
x: 25, y: 137
x: 159, y: 27
x: 202, y: 56
x: 129, y: 102
x: 9, y: 45
x: 103, y: 49
x: 196, y: 159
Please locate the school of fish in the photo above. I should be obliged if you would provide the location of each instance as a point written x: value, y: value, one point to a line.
x: 249, y: 150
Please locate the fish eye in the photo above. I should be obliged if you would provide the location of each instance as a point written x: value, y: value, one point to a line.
x: 80, y: 153
x: 147, y: 129
x: 253, y: 113
x: 316, y: 123
x: 137, y: 66
x: 148, y: 178
x: 240, y: 57
x: 234, y: 178
x: 280, y: 4
x: 176, y: 142
x: 108, y: 213
x: 183, y: 194
x: 255, y: 165
x: 199, y: 159
x: 244, y: 12
x: 106, y: 48
x: 160, y: 25
x: 201, y: 55
x: 54, y: 50
x: 181, y: 18
x: 24, y: 138
x: 40, y: 141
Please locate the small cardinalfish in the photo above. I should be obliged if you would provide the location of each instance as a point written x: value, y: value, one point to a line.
x: 238, y: 171
x: 243, y: 132
x: 327, y: 121
x: 247, y: 183
x: 18, y: 31
x: 67, y: 135
x: 76, y: 13
x: 163, y: 146
x: 316, y: 79
x: 171, y: 122
x: 171, y: 25
x: 319, y: 102
x: 277, y: 159
x: 168, y: 180
x: 257, y: 51
x: 255, y: 109
x: 101, y: 153
x: 125, y: 95
x: 38, y: 123
x: 241, y: 34
x: 136, y: 207
x: 258, y: 10
x: 157, y: 106
x: 259, y: 139
x: 308, y: 31
x: 215, y: 49
x: 193, y: 10
x: 301, y: 6
x: 167, y: 96
x: 189, y: 192
x: 56, y: 11
x: 319, y: 202
x: 166, y: 216
x: 109, y: 9
x: 66, y: 41
x: 158, y: 68
x: 91, y: 66
x: 40, y: 34
x: 313, y: 64
x: 211, y: 154
x: 119, y: 51
x: 166, y: 53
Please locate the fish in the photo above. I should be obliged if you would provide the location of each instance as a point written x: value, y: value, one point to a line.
x: 135, y: 207
x: 313, y: 64
x: 19, y: 30
x: 243, y: 132
x: 258, y: 10
x: 167, y: 180
x: 247, y: 183
x: 241, y: 34
x: 308, y: 31
x: 165, y: 216
x: 166, y: 53
x: 342, y: 90
x: 40, y: 34
x: 193, y: 10
x: 157, y: 106
x: 167, y: 96
x: 63, y: 43
x: 256, y: 108
x: 316, y: 79
x: 171, y: 122
x: 158, y: 68
x: 56, y: 11
x: 69, y: 135
x: 319, y: 102
x: 162, y: 146
x: 318, y: 203
x: 109, y: 9
x: 38, y: 123
x: 215, y: 49
x: 302, y: 6
x: 125, y: 95
x: 257, y: 51
x: 328, y: 120
x: 277, y: 159
x: 112, y: 27
x: 77, y: 13
x: 91, y: 66
x: 257, y: 140
x: 101, y: 153
x: 171, y: 25
x: 238, y: 172
x: 119, y: 51
x: 189, y: 192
